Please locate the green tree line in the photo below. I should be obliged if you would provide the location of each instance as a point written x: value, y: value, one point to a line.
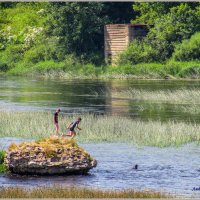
x: 37, y: 32
x: 171, y: 27
x: 70, y: 35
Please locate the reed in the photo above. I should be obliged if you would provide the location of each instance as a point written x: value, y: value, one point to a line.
x: 182, y: 96
x: 61, y: 192
x: 38, y: 125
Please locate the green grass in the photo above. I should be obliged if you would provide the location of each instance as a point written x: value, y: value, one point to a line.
x: 72, y: 192
x: 68, y: 69
x: 52, y: 69
x: 2, y: 155
x: 101, y: 129
x: 3, y: 168
x: 181, y: 96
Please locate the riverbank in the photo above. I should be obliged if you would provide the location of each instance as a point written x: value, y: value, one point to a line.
x: 52, y: 69
x: 74, y: 192
x: 36, y: 125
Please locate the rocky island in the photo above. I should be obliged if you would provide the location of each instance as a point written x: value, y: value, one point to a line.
x: 48, y: 157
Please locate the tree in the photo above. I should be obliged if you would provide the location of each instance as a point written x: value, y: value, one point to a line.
x: 80, y: 26
x: 169, y: 24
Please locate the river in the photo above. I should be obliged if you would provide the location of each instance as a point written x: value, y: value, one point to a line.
x: 174, y: 170
x: 93, y: 96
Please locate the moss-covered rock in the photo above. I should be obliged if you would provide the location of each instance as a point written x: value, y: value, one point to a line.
x: 49, y: 156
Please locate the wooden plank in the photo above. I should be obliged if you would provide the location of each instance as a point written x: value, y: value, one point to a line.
x: 115, y: 26
x: 115, y: 48
x: 117, y: 45
x: 115, y: 42
x: 114, y: 51
x: 122, y: 40
x: 116, y: 39
x: 116, y: 31
x: 122, y: 34
x: 117, y: 34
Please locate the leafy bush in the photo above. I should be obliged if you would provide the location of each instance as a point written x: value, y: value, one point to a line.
x: 3, y: 167
x: 13, y: 54
x: 188, y: 50
x: 3, y: 67
x: 35, y: 54
x: 134, y: 54
x: 2, y: 155
x: 48, y: 65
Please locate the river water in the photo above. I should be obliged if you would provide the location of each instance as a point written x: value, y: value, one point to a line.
x: 171, y: 170
x: 174, y: 170
x: 92, y: 96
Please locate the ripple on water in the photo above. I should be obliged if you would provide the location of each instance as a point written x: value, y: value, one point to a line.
x: 174, y: 170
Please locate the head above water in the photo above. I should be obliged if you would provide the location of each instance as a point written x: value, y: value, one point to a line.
x: 79, y: 119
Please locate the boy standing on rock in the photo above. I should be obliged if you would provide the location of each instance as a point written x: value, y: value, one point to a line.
x: 72, y: 126
x: 55, y: 119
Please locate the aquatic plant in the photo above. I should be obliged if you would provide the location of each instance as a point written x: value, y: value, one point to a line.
x: 183, y: 96
x: 37, y: 125
x: 73, y: 192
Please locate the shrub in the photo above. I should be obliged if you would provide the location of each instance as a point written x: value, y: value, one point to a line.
x: 45, y: 66
x: 188, y: 50
x: 13, y: 54
x: 3, y: 168
x: 35, y: 54
x: 138, y: 52
x: 2, y: 155
x: 3, y: 67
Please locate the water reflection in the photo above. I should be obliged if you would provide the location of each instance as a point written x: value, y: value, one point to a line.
x: 93, y: 96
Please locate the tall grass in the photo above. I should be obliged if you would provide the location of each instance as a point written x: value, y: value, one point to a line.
x: 61, y: 192
x: 52, y: 69
x: 182, y: 96
x: 100, y: 129
x: 68, y: 70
